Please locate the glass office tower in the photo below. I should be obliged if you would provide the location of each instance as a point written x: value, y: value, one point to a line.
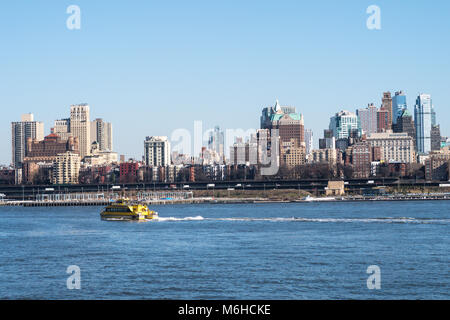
x: 425, y: 119
x: 398, y: 105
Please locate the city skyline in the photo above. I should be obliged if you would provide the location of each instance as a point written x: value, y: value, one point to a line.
x: 316, y: 137
x: 135, y: 74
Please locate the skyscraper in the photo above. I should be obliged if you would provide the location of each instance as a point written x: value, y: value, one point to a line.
x: 66, y: 168
x: 405, y: 123
x: 382, y: 120
x: 21, y: 131
x: 368, y: 119
x: 291, y: 129
x: 309, y: 140
x: 398, y: 105
x: 157, y: 151
x: 386, y: 104
x: 101, y: 132
x: 344, y: 124
x: 425, y: 119
x: 286, y: 119
x: 216, y: 142
x: 80, y: 126
x: 435, y: 138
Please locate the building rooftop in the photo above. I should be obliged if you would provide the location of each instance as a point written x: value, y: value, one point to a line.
x: 293, y: 116
x: 388, y: 135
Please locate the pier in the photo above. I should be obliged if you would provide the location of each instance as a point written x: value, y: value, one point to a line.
x: 103, y: 199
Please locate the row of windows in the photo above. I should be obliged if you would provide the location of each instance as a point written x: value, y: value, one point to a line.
x: 117, y: 210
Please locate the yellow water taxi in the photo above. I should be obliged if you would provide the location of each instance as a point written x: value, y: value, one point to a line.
x: 123, y: 209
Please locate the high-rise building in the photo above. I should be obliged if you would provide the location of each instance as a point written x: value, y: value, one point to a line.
x: 264, y: 147
x: 382, y: 120
x: 386, y: 104
x: 398, y: 105
x: 368, y: 119
x: 309, y: 140
x: 80, y: 126
x: 66, y: 168
x: 344, y: 124
x: 425, y: 119
x: 21, y: 131
x: 62, y: 129
x: 289, y: 123
x: 435, y: 138
x: 241, y: 152
x: 216, y: 142
x: 101, y: 132
x: 361, y: 154
x: 157, y: 151
x: 405, y: 123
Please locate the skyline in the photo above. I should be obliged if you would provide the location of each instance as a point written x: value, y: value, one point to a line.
x: 227, y: 143
x: 188, y: 62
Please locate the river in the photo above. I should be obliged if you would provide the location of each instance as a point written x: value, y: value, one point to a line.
x: 236, y: 251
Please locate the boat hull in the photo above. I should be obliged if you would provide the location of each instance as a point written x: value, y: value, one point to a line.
x: 109, y: 217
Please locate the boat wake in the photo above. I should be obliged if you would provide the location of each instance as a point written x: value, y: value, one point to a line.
x: 163, y: 219
x: 346, y: 220
x: 404, y: 220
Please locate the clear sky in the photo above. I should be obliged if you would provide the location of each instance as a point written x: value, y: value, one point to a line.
x: 150, y: 67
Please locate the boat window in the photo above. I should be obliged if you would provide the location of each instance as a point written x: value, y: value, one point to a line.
x: 117, y: 209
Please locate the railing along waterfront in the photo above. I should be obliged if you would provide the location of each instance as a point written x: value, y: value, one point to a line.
x: 164, y: 195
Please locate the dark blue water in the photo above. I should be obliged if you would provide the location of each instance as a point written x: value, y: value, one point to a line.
x: 248, y: 251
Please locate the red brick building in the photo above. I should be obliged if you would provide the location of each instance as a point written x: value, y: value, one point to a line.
x: 7, y: 176
x: 361, y: 159
x: 382, y: 120
x: 129, y: 172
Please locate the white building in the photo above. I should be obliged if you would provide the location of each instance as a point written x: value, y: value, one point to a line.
x: 344, y: 123
x: 329, y: 156
x: 66, y: 168
x: 80, y: 126
x: 424, y: 120
x: 101, y: 132
x: 157, y: 151
x: 395, y: 147
x: 368, y: 119
x: 309, y: 140
x: 98, y: 157
x: 21, y: 131
x: 62, y: 128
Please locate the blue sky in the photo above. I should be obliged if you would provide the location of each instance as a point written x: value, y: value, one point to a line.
x: 150, y: 67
